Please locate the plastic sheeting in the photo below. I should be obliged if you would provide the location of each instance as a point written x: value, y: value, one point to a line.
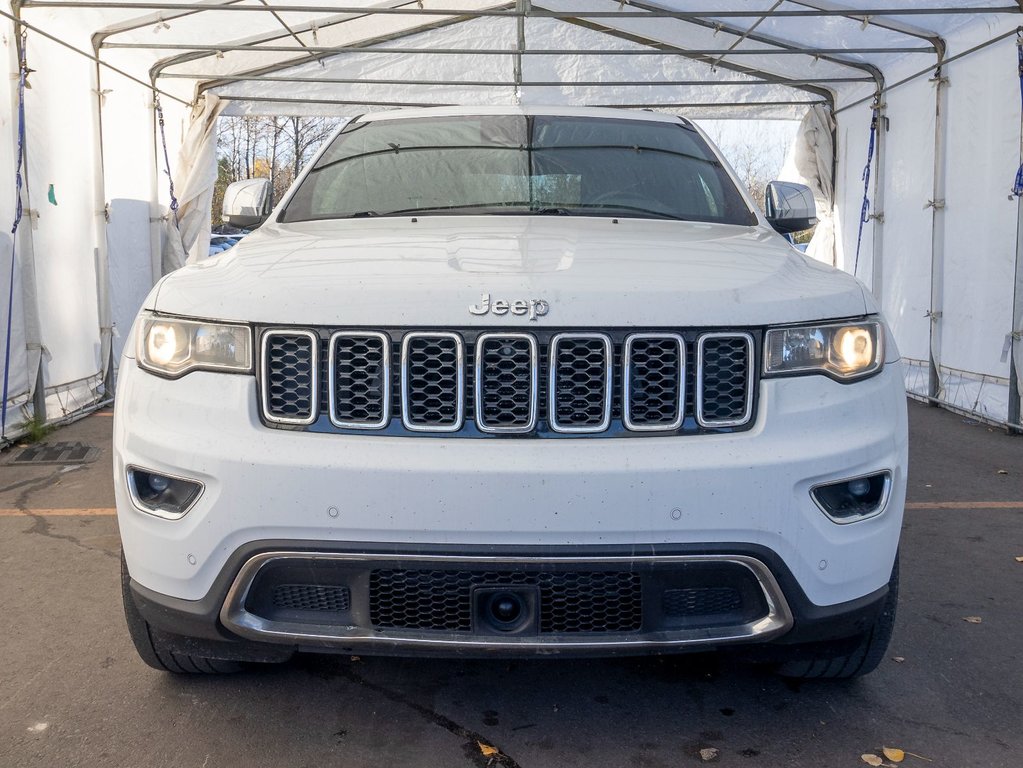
x: 811, y: 161
x: 945, y: 275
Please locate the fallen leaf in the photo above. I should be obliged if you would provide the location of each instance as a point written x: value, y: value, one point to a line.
x: 1019, y: 559
x: 972, y: 619
x: 487, y: 750
x: 708, y: 754
x: 356, y: 658
x: 1003, y: 471
x: 894, y: 754
x: 871, y: 759
x: 898, y: 659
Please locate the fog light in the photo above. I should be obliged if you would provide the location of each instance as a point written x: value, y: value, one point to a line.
x: 857, y: 498
x: 162, y: 495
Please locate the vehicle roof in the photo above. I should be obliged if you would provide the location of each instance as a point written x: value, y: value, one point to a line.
x: 605, y: 112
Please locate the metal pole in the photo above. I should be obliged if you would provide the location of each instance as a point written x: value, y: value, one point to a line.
x: 808, y: 13
x: 877, y: 234
x: 937, y: 206
x: 1015, y: 340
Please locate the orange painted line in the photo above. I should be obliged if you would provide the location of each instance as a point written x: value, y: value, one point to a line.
x: 68, y: 512
x: 965, y: 505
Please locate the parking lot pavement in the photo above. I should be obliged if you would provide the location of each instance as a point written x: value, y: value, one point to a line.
x: 73, y: 692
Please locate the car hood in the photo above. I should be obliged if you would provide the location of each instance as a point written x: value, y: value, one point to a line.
x: 591, y: 272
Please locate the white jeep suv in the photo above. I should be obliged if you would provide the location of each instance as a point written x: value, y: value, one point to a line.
x: 513, y: 381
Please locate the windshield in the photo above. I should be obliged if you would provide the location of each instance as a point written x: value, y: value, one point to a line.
x: 512, y: 164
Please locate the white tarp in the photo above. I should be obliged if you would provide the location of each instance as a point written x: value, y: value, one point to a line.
x: 945, y: 276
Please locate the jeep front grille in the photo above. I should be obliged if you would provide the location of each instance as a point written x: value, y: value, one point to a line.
x: 724, y: 369
x: 506, y: 382
x: 478, y: 384
x: 580, y: 382
x: 290, y: 369
x: 432, y: 382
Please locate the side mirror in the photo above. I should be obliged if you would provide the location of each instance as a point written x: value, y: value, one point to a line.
x: 248, y: 203
x: 790, y: 207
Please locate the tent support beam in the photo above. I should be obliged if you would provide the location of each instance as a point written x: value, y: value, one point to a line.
x: 937, y: 206
x: 159, y: 67
x: 361, y: 48
x: 206, y: 52
x: 874, y: 19
x: 823, y: 93
x: 365, y: 103
x: 80, y: 52
x: 520, y: 44
x: 810, y: 11
x: 787, y: 47
x: 100, y: 37
x: 519, y: 82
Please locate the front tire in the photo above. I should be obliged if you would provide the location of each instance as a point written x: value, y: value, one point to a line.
x: 161, y: 650
x: 816, y: 663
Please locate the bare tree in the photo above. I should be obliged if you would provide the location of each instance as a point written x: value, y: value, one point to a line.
x: 753, y: 150
x: 275, y: 147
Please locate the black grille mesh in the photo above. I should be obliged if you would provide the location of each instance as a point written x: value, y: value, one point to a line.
x: 655, y: 381
x: 701, y: 601
x: 356, y: 362
x: 312, y: 597
x: 726, y: 361
x: 359, y: 379
x: 584, y: 601
x: 580, y: 382
x: 288, y: 376
x: 506, y: 382
x: 432, y: 381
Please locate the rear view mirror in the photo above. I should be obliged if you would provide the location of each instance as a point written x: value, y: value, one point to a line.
x: 790, y: 207
x: 248, y: 203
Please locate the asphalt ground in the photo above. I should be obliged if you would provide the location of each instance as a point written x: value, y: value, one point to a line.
x: 74, y: 693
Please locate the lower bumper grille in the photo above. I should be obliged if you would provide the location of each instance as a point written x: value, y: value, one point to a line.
x: 418, y: 602
x: 570, y: 601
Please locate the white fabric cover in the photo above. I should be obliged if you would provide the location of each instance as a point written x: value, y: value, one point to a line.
x: 187, y: 235
x: 810, y: 161
x: 67, y: 302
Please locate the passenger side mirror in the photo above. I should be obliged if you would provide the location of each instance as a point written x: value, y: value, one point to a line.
x: 790, y: 207
x: 248, y: 203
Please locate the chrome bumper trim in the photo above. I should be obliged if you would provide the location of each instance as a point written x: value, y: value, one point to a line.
x: 237, y: 619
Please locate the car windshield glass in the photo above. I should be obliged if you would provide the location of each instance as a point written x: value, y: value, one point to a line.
x: 511, y: 164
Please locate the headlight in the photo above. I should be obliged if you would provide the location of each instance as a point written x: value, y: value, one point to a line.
x: 173, y: 347
x: 841, y: 350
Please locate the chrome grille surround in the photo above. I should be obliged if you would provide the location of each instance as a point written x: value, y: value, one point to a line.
x: 644, y: 371
x: 384, y: 375
x: 271, y: 391
x: 481, y: 393
x: 408, y: 390
x: 628, y: 399
x: 705, y: 371
x: 553, y: 389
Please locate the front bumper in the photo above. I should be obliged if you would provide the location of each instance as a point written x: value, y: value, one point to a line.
x: 239, y: 606
x: 750, y: 488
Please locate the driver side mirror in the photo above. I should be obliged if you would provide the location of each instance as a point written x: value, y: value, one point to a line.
x: 790, y: 207
x: 248, y: 203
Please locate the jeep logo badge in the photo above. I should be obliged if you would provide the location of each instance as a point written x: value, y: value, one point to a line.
x: 531, y: 308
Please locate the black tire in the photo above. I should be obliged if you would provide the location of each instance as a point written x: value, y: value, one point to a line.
x: 164, y: 651
x: 867, y: 651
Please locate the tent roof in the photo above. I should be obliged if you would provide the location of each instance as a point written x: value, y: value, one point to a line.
x: 735, y: 57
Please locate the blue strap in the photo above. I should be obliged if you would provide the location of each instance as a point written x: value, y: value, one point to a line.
x: 1017, y: 188
x: 23, y: 73
x: 865, y: 209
